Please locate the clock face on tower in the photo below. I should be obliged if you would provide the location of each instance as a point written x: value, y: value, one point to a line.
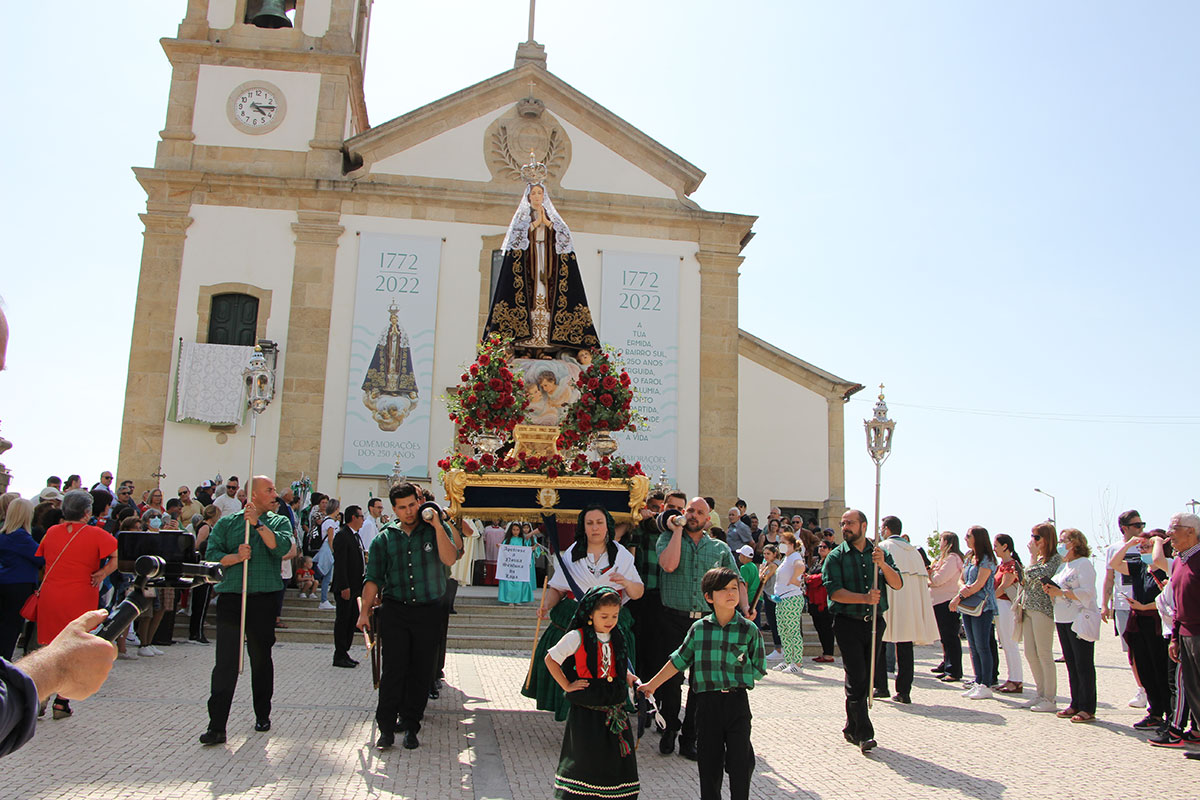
x: 256, y: 107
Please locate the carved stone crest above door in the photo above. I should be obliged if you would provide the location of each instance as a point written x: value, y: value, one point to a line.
x: 526, y: 127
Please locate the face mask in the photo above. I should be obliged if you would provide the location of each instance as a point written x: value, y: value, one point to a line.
x: 1147, y: 558
x: 1062, y: 550
x: 156, y: 522
x: 786, y: 549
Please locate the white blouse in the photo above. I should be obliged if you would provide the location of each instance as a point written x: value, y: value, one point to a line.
x: 1079, y: 577
x: 572, y: 641
x: 589, y: 572
x: 792, y: 565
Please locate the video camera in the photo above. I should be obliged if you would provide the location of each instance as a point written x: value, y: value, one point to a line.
x: 663, y: 520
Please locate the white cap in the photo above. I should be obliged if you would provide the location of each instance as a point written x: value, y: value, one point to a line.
x: 50, y: 493
x: 746, y: 550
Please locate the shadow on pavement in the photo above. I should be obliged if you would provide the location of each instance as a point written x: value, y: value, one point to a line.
x: 929, y: 773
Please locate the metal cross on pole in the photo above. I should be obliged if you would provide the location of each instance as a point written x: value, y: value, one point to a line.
x: 532, y: 6
x: 158, y: 476
x: 879, y: 447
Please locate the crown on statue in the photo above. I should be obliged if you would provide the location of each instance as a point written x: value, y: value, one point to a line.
x: 535, y: 171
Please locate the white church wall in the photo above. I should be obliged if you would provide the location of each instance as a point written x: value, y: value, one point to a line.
x: 315, y: 20
x: 783, y: 440
x: 211, y: 124
x: 230, y: 245
x: 595, y: 168
x: 456, y: 154
x: 221, y: 13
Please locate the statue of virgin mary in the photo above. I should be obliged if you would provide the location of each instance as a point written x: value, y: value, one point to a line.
x: 540, y: 302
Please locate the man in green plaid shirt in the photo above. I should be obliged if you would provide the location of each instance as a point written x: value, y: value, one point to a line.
x: 724, y: 650
x: 407, y: 572
x: 685, y: 553
x: 270, y: 541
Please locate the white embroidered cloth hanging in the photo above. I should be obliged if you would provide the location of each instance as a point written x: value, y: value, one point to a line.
x: 210, y: 387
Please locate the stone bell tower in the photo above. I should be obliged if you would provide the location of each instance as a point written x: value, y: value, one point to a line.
x: 263, y: 92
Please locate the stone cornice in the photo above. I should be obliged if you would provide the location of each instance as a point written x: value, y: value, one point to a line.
x: 789, y: 366
x: 464, y: 202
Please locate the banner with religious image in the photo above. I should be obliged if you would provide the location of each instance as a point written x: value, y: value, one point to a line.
x: 640, y: 318
x: 390, y: 393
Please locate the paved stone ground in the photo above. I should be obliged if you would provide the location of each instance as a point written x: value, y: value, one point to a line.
x: 137, y: 739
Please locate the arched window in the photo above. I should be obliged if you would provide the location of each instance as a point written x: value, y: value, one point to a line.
x: 233, y: 319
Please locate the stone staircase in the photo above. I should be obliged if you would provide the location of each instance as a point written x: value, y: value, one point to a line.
x: 480, y: 623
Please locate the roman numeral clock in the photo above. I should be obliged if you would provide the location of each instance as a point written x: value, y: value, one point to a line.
x: 256, y: 107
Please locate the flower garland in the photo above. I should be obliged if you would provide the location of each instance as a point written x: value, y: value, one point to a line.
x: 606, y: 468
x: 487, y: 400
x: 604, y: 404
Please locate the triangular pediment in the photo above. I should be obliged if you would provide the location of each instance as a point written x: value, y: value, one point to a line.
x: 485, y: 132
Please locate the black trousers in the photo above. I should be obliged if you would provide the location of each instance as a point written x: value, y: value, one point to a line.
x: 823, y: 622
x: 200, y: 595
x: 1144, y: 636
x: 409, y: 634
x: 948, y: 623
x: 1189, y: 671
x: 647, y: 624
x: 1081, y: 667
x: 344, y: 625
x: 723, y: 742
x: 670, y: 695
x: 447, y: 605
x: 12, y: 597
x: 260, y: 638
x: 904, y: 669
x: 854, y: 640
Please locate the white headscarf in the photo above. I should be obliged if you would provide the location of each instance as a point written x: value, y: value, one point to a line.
x: 517, y: 237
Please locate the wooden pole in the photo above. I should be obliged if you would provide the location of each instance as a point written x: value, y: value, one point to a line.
x: 537, y: 631
x: 246, y: 540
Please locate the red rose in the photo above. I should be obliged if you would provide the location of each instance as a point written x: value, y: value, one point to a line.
x: 604, y: 473
x: 606, y: 400
x: 487, y: 459
x: 610, y: 382
x: 593, y: 384
x: 504, y: 373
x: 595, y: 465
x: 584, y: 425
x: 602, y: 424
x: 474, y: 369
x: 465, y: 377
x: 495, y: 384
x: 551, y: 473
x: 625, y: 379
x: 479, y: 387
x: 485, y: 359
x: 472, y: 399
x: 444, y: 463
x: 471, y: 465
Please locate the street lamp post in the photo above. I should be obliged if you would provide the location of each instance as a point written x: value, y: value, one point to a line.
x: 1053, y: 506
x: 879, y: 446
x: 259, y: 391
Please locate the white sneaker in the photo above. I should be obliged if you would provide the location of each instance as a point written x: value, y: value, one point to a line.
x: 1031, y: 703
x: 157, y: 652
x: 132, y: 639
x: 775, y: 655
x: 970, y: 689
x: 980, y: 693
x: 146, y: 652
x: 782, y: 666
x: 1139, y: 699
x: 128, y: 655
x: 327, y: 606
x: 1043, y: 706
x: 794, y: 669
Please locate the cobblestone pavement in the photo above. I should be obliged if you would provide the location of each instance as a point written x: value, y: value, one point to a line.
x: 137, y: 739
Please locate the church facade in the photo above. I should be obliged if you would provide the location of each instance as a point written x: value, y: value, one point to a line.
x: 277, y: 214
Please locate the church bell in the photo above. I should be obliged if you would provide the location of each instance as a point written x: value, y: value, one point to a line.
x: 271, y: 14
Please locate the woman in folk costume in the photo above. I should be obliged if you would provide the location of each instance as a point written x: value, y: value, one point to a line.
x: 909, y: 616
x: 540, y: 301
x: 593, y: 559
x: 589, y: 664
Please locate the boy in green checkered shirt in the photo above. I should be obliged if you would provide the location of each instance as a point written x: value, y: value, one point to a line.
x: 725, y: 653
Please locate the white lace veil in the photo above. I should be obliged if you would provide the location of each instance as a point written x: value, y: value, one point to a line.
x: 517, y: 237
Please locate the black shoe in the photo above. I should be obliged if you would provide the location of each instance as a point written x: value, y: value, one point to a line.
x: 948, y: 678
x: 1149, y: 722
x: 212, y: 737
x: 353, y: 661
x: 1192, y: 756
x: 198, y: 639
x: 1166, y: 739
x: 687, y: 749
x: 345, y: 662
x: 846, y: 735
x: 263, y: 725
x: 203, y: 639
x: 666, y: 745
x: 435, y: 690
x: 881, y: 694
x: 385, y: 741
x: 866, y: 744
x: 401, y: 725
x: 410, y: 740
x: 940, y: 669
x: 902, y: 698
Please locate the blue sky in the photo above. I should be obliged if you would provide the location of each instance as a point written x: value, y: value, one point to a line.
x: 987, y: 207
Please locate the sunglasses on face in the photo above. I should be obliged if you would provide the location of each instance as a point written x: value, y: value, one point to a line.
x: 1037, y: 537
x: 1136, y: 525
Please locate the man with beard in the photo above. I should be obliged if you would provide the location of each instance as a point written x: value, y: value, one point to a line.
x: 685, y: 553
x: 847, y: 575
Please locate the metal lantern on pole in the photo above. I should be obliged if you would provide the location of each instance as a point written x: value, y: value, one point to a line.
x: 260, y: 388
x: 879, y: 447
x: 397, y: 474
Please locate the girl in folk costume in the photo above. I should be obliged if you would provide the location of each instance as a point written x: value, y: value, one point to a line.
x: 594, y: 559
x: 589, y: 663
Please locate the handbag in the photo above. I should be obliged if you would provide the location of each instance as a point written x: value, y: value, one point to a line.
x: 972, y: 605
x: 29, y: 608
x: 1087, y: 624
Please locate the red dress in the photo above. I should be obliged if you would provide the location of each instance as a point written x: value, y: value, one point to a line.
x: 67, y: 590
